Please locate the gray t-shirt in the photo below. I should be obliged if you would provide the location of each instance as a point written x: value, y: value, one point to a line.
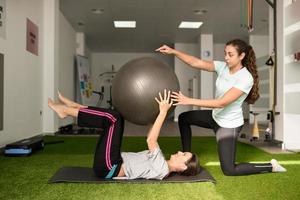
x: 145, y: 164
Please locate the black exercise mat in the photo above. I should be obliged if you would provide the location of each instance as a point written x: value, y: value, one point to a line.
x: 86, y: 175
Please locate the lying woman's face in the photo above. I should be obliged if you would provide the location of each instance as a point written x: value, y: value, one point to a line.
x: 181, y: 158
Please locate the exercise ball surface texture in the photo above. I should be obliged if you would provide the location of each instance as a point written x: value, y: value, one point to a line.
x: 136, y: 85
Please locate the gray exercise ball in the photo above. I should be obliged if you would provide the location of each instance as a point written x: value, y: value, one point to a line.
x: 136, y: 85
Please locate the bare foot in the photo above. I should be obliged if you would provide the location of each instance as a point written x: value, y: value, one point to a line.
x: 58, y: 108
x: 68, y: 102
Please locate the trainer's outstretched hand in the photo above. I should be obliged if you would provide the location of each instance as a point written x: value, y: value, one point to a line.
x: 165, y: 50
x: 180, y: 99
x: 165, y: 102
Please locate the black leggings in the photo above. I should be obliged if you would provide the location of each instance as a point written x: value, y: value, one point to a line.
x: 226, y: 141
x: 107, y: 158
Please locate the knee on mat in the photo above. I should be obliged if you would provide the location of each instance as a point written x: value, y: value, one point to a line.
x: 98, y: 171
x: 229, y: 171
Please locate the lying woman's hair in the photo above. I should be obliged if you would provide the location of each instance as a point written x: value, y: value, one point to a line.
x: 193, y: 166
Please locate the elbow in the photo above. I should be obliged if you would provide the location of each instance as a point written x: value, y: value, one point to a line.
x: 194, y: 63
x: 221, y: 104
x: 150, y: 141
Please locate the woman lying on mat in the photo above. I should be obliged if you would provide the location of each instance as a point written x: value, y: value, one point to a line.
x: 109, y: 162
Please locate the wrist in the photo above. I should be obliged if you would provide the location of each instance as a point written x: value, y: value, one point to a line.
x: 163, y: 113
x: 174, y: 52
x: 190, y: 101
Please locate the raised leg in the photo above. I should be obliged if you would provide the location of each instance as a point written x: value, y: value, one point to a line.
x: 68, y: 102
x: 63, y: 110
x: 107, y: 158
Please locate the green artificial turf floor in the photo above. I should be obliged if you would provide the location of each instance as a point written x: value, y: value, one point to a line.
x: 27, y: 177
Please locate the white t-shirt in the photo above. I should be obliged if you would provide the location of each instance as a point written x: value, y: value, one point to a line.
x: 145, y: 164
x: 231, y: 116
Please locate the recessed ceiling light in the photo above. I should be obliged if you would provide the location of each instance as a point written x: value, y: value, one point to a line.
x: 200, y: 12
x: 186, y: 24
x: 125, y: 24
x: 97, y: 10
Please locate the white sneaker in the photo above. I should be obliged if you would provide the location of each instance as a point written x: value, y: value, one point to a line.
x: 277, y: 167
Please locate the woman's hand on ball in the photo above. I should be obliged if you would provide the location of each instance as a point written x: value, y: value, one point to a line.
x: 165, y: 50
x: 179, y: 99
x: 164, y: 102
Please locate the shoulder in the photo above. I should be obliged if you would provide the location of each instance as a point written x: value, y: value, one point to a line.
x: 156, y: 157
x: 154, y: 152
x: 219, y: 66
x: 244, y: 80
x: 245, y: 75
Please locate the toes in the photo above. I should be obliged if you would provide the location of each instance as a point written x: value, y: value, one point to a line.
x: 50, y: 102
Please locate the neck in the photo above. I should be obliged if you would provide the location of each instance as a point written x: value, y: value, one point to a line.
x: 171, y: 166
x: 236, y: 68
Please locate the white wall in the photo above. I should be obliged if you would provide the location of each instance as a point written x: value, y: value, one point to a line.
x: 29, y: 79
x: 185, y: 73
x: 102, y: 62
x: 67, y: 48
x: 291, y: 73
x: 218, y: 55
x: 206, y: 78
x: 50, y: 63
x: 279, y: 125
x: 260, y: 44
x: 22, y: 72
x: 219, y: 51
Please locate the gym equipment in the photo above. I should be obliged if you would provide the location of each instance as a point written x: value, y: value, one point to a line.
x: 270, y: 61
x: 86, y: 175
x: 105, y: 83
x: 73, y: 129
x: 83, y: 87
x: 268, y: 132
x: 24, y: 147
x: 255, y: 130
x: 68, y: 129
x: 246, y: 14
x: 136, y: 85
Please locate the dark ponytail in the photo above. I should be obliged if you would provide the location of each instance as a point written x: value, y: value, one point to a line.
x: 193, y: 166
x: 249, y: 61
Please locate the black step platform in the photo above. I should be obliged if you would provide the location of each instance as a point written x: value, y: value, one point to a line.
x: 24, y: 147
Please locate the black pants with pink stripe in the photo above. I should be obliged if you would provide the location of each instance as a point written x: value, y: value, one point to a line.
x: 107, y: 159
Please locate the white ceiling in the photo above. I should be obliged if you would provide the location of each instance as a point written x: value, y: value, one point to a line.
x: 157, y: 22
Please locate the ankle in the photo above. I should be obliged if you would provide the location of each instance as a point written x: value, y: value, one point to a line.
x: 64, y: 110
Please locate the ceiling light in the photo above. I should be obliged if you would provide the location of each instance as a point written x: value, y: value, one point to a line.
x: 185, y: 24
x: 97, y: 10
x: 124, y: 24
